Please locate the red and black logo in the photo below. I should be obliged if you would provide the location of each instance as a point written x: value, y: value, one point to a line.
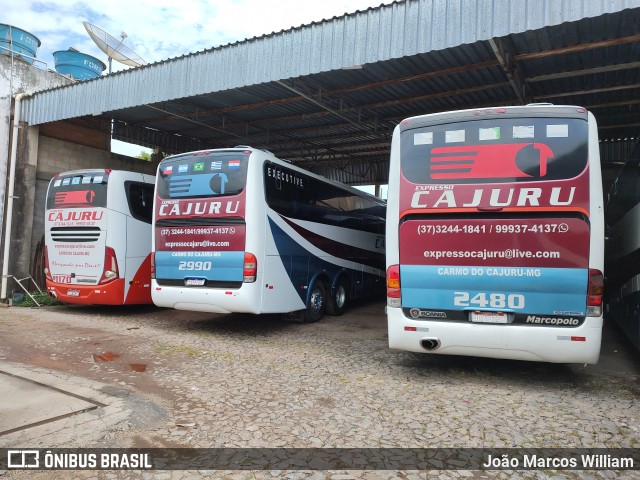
x: 78, y: 197
x: 516, y: 160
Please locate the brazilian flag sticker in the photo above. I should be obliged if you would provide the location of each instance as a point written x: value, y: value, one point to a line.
x: 198, y: 167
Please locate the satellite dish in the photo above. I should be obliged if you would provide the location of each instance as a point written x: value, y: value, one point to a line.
x: 114, y: 48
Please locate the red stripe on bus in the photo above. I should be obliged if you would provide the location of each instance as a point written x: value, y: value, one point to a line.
x: 140, y: 287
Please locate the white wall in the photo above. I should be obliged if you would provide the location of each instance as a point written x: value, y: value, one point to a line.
x: 16, y: 77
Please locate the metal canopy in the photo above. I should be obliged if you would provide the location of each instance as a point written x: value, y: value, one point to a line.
x: 338, y: 121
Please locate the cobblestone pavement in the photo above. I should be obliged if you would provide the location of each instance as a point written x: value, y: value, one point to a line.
x: 187, y: 379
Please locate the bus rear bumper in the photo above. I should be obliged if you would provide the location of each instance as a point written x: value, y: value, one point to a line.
x: 240, y: 300
x: 111, y: 293
x: 516, y: 342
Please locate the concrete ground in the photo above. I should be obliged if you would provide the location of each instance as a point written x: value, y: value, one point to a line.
x: 147, y: 377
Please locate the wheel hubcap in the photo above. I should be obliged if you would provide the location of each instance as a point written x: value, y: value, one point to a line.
x: 316, y: 300
x: 340, y: 296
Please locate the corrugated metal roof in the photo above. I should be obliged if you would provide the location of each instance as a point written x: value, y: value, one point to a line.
x: 397, y: 30
x: 417, y: 57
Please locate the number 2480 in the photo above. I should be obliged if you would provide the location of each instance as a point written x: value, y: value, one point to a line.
x: 492, y: 300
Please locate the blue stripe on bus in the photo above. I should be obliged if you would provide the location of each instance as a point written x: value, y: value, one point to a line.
x: 296, y: 259
x: 301, y: 265
x: 225, y: 266
x: 552, y: 291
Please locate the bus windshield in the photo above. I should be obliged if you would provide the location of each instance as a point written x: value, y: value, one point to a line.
x: 203, y: 174
x: 495, y: 151
x: 87, y: 189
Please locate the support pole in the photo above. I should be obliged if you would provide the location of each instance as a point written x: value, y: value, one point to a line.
x: 10, y: 192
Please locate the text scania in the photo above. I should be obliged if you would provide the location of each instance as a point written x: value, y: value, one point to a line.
x: 198, y: 208
x: 498, y: 197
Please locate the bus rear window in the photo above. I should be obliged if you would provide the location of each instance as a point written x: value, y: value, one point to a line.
x: 76, y: 191
x: 203, y: 175
x: 499, y: 150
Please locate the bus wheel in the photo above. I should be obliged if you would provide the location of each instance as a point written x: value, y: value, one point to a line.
x: 337, y: 301
x: 315, y: 308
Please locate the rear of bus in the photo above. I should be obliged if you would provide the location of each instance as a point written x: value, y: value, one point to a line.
x: 495, y: 234
x: 98, y: 237
x: 200, y: 234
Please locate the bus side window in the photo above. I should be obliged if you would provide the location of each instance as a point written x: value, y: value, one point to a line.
x: 140, y: 200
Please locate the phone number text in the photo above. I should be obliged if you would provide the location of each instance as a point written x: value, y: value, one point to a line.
x: 493, y: 228
x: 198, y: 231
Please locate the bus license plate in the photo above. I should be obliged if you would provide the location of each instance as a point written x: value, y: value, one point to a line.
x: 194, y: 282
x: 73, y: 293
x: 488, y: 317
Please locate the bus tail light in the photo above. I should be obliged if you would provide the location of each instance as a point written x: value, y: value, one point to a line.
x: 110, y: 271
x: 594, y: 293
x: 47, y: 270
x: 393, y: 286
x: 250, y: 267
x: 153, y: 265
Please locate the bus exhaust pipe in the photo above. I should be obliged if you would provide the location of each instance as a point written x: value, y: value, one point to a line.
x: 430, y: 344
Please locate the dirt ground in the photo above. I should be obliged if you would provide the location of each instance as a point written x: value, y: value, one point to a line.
x: 203, y: 380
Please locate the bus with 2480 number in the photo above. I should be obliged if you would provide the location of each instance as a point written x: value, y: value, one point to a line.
x: 495, y: 234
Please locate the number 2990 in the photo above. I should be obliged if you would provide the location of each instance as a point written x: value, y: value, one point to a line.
x: 514, y: 301
x: 194, y: 266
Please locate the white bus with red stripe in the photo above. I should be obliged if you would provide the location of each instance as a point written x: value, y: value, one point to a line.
x: 238, y: 230
x: 495, y: 234
x: 98, y: 237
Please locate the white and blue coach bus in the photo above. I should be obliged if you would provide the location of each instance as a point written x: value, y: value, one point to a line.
x: 495, y: 234
x: 238, y: 230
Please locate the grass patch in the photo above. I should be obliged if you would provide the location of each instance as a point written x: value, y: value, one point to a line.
x: 43, y: 299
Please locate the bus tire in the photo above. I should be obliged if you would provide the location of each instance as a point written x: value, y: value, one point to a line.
x: 337, y: 301
x: 317, y: 302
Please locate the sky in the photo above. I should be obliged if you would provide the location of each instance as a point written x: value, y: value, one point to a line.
x: 162, y: 29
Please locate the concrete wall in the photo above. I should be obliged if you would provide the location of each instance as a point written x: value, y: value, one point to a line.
x: 17, y: 77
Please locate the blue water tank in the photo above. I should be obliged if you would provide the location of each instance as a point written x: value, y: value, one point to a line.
x: 14, y: 40
x: 78, y: 65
